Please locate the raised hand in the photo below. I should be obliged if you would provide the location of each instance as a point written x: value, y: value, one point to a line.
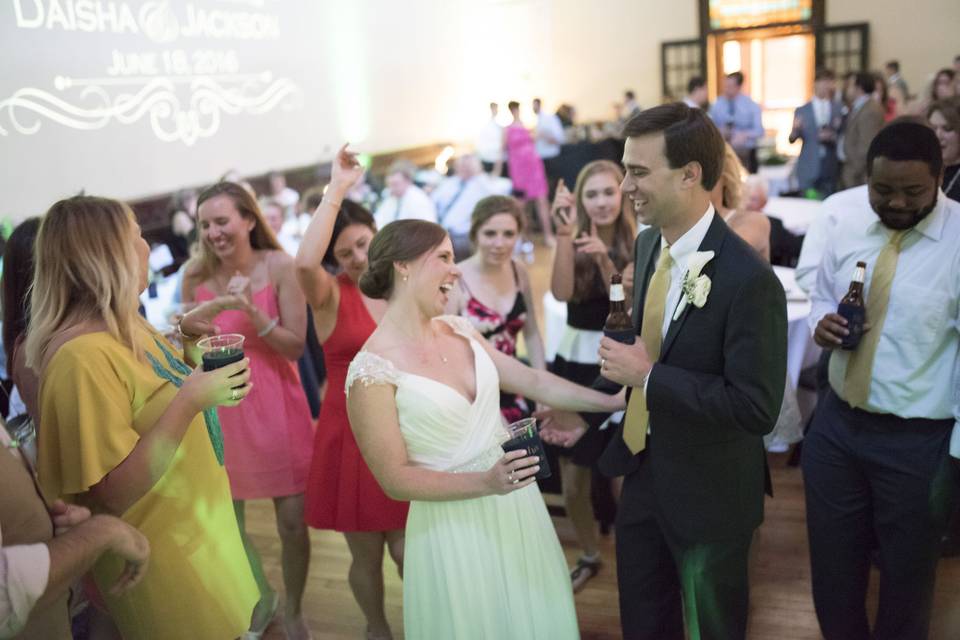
x: 515, y: 470
x: 345, y: 171
x: 564, y: 211
x: 592, y: 244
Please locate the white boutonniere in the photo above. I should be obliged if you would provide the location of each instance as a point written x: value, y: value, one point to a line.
x: 695, y: 287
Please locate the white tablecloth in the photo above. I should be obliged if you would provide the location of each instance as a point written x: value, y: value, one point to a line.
x: 802, y: 352
x: 795, y: 213
x: 777, y: 177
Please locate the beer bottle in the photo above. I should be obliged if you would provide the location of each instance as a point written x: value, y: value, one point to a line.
x: 851, y: 308
x: 618, y: 325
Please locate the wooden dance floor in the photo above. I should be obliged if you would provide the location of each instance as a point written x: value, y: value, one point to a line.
x: 781, y: 605
x: 781, y: 602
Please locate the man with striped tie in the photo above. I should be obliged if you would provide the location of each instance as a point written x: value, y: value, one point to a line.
x: 876, y: 463
x: 705, y: 385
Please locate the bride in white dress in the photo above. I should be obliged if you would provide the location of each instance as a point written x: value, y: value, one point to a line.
x: 482, y: 559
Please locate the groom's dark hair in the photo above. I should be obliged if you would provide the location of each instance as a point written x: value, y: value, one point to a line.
x: 689, y: 135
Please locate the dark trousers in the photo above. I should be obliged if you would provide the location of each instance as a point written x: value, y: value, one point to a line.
x: 748, y: 157
x: 868, y: 478
x: 661, y: 574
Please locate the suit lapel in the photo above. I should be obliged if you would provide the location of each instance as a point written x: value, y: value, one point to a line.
x: 645, y: 253
x: 713, y: 241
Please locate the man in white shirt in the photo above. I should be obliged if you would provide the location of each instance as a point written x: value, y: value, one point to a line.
x: 876, y: 459
x: 283, y: 195
x: 817, y: 123
x: 697, y: 96
x: 405, y: 200
x: 456, y: 197
x: 43, y: 551
x: 629, y: 107
x: 490, y: 144
x: 548, y: 137
x: 821, y: 228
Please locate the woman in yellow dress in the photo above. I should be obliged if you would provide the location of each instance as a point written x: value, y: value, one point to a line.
x: 128, y: 428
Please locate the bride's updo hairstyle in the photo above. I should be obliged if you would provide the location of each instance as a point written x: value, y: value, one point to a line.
x: 400, y: 241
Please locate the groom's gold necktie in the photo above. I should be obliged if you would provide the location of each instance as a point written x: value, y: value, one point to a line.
x: 856, y: 382
x: 651, y: 333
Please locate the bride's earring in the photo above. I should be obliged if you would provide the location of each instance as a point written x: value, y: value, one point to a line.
x: 404, y: 278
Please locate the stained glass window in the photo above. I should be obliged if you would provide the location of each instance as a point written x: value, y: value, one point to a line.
x: 733, y: 14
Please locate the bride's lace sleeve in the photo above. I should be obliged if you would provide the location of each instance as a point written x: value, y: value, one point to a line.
x: 369, y: 368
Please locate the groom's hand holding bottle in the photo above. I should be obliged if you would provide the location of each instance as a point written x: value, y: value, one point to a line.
x: 626, y: 364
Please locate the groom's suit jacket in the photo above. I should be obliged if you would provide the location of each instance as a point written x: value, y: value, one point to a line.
x: 714, y: 392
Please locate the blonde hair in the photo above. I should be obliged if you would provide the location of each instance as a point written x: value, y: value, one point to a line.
x: 586, y: 271
x: 732, y: 179
x: 87, y: 268
x: 205, y: 263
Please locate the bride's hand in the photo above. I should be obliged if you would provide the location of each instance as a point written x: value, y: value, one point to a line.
x: 515, y: 470
x: 620, y: 400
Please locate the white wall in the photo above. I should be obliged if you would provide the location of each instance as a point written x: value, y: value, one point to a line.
x: 379, y: 73
x: 921, y: 34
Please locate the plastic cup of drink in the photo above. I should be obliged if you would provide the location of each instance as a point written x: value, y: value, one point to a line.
x: 219, y: 351
x: 524, y: 434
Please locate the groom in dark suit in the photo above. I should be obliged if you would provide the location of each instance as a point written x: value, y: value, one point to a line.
x: 706, y: 378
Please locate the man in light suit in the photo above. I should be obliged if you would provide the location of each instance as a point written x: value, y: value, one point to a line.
x: 863, y: 123
x: 705, y: 380
x: 817, y: 123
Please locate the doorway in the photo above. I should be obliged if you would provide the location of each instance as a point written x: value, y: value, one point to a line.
x: 778, y: 67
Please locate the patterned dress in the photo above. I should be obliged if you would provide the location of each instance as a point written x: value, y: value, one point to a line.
x: 501, y: 331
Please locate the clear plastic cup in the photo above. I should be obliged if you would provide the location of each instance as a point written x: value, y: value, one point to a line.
x: 219, y: 351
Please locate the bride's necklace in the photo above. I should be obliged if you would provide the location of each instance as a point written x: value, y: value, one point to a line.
x: 425, y: 352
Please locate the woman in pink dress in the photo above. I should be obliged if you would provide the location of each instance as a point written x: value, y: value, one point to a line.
x: 266, y: 438
x: 526, y: 170
x: 342, y: 493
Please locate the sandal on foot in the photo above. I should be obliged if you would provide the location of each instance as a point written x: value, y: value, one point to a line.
x: 585, y: 569
x: 256, y: 634
x: 296, y: 629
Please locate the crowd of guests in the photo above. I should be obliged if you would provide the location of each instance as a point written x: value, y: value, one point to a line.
x: 165, y: 454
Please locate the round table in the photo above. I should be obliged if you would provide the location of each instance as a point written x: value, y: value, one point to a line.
x: 795, y: 213
x: 802, y: 352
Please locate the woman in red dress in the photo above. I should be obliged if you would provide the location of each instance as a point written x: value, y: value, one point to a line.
x: 342, y: 494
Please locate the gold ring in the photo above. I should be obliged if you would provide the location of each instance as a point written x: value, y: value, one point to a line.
x: 603, y: 362
x: 233, y: 394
